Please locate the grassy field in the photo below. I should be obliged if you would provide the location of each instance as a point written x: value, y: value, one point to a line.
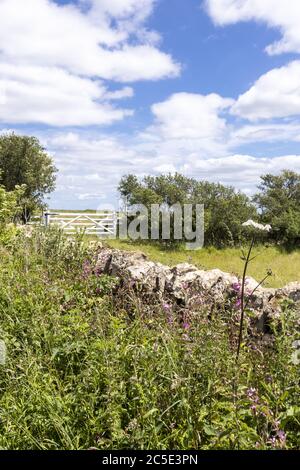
x: 284, y: 265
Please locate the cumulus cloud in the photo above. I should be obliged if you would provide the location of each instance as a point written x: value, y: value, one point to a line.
x: 267, y: 133
x: 284, y: 16
x: 123, y: 8
x: 275, y: 94
x: 201, y: 124
x: 190, y: 122
x: 241, y: 171
x: 191, y: 115
x: 54, y: 58
x: 48, y: 95
x: 44, y: 33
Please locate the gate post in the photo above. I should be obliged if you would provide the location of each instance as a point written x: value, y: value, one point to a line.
x: 115, y: 223
x: 47, y: 219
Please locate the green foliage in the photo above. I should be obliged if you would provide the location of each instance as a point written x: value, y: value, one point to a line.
x: 85, y: 368
x: 225, y: 209
x: 279, y: 202
x: 9, y: 210
x: 23, y: 161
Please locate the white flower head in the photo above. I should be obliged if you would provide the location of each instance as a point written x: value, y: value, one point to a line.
x: 257, y: 226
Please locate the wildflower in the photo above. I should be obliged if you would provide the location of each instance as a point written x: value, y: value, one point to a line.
x: 236, y: 286
x: 186, y: 337
x: 251, y: 223
x: 186, y: 326
x: 272, y: 441
x: 166, y: 307
x: 281, y: 436
x: 98, y: 271
x: 86, y: 270
x: 251, y: 392
x: 253, y: 395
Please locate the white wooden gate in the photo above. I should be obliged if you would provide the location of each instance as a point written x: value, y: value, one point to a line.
x: 103, y: 224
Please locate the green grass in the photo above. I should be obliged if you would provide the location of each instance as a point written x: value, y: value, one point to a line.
x: 87, y: 366
x: 285, y: 265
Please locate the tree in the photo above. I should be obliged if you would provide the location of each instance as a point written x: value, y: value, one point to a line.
x: 23, y: 161
x: 225, y: 208
x: 279, y: 204
x: 9, y: 210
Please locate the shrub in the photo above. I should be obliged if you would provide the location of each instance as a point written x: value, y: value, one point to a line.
x: 9, y: 211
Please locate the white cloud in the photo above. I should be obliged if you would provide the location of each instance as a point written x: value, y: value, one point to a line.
x: 123, y: 8
x: 40, y: 32
x: 126, y: 92
x: 279, y: 14
x: 190, y: 115
x: 275, y: 94
x: 90, y: 196
x: 271, y: 132
x: 54, y: 59
x: 241, y: 171
x: 199, y: 124
x: 55, y: 97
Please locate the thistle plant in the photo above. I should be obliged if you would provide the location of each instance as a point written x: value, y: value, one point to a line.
x: 247, y: 258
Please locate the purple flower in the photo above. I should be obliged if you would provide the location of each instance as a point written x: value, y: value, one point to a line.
x: 97, y: 271
x: 166, y: 307
x: 185, y: 337
x: 272, y: 441
x: 186, y: 326
x: 86, y: 269
x: 236, y: 286
x: 252, y: 394
x: 281, y: 436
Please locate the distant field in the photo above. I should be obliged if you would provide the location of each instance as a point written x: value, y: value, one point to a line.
x: 75, y: 211
x: 285, y: 265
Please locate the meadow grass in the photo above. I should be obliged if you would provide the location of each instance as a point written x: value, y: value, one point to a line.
x: 90, y: 365
x: 285, y: 265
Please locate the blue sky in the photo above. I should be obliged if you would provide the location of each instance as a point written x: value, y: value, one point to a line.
x: 208, y: 88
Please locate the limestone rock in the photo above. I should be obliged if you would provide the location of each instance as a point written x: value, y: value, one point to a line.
x: 188, y: 286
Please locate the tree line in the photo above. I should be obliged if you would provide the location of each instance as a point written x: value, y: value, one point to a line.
x: 276, y: 202
x: 28, y: 174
